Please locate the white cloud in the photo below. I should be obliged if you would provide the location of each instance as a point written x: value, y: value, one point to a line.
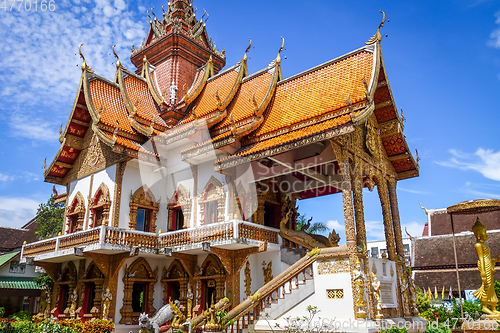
x: 33, y: 128
x: 15, y: 212
x: 484, y: 161
x: 335, y: 225
x: 40, y: 62
x: 374, y: 230
x: 484, y: 191
x: 5, y: 178
x: 414, y: 228
x: 495, y: 35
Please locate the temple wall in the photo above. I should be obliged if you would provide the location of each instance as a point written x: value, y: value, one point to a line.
x: 82, y: 185
x: 338, y: 309
x: 256, y: 271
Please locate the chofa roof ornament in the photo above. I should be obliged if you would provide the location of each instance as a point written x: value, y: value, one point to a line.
x: 377, y: 37
x: 85, y: 67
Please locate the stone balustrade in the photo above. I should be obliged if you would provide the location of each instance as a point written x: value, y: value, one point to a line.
x: 106, y: 236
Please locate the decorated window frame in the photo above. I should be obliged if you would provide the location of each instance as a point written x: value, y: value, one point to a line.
x: 100, y: 202
x: 139, y: 271
x: 75, y: 214
x: 174, y: 275
x: 91, y: 307
x: 213, y: 192
x: 181, y: 200
x: 143, y: 198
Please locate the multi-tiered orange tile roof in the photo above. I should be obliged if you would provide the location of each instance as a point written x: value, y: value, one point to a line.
x: 261, y: 114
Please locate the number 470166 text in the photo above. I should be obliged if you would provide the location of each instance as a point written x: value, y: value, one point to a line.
x: 28, y: 5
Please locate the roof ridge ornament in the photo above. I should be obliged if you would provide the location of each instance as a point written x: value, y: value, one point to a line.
x: 248, y: 49
x: 278, y: 59
x: 377, y: 38
x: 118, y: 63
x: 85, y: 67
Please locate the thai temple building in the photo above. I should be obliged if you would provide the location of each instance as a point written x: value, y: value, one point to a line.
x: 183, y: 177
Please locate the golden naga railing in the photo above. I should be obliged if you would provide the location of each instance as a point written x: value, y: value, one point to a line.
x: 249, y: 310
x: 223, y: 231
x: 295, y: 245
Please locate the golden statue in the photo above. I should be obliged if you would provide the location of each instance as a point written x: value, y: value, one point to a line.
x: 486, y: 265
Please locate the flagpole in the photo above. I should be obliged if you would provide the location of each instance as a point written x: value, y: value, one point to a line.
x: 456, y: 267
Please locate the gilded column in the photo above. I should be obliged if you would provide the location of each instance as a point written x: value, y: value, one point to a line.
x: 360, y: 226
x: 345, y: 170
x: 389, y: 234
x: 395, y: 217
x: 386, y: 212
x: 403, y: 280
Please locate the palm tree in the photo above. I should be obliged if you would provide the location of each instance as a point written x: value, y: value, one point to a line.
x: 314, y: 228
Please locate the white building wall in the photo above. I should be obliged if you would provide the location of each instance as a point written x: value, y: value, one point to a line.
x: 338, y: 309
x: 28, y: 272
x: 82, y: 185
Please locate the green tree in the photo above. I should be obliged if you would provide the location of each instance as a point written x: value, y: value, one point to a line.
x: 314, y: 227
x: 50, y: 219
x: 423, y: 302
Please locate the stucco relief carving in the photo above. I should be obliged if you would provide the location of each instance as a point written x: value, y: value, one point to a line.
x: 100, y: 199
x: 75, y: 214
x: 213, y: 191
x: 143, y: 198
x: 181, y: 198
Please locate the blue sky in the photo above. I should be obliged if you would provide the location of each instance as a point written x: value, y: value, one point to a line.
x: 442, y: 60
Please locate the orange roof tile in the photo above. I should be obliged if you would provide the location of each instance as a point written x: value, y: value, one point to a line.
x: 318, y: 92
x: 242, y: 106
x: 113, y: 107
x: 292, y: 136
x: 137, y: 91
x: 222, y: 84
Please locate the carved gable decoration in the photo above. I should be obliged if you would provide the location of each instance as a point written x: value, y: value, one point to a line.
x: 77, y: 205
x: 140, y: 270
x: 144, y: 197
x: 180, y: 198
x: 212, y: 266
x: 94, y: 157
x: 213, y: 191
x: 69, y: 273
x: 93, y: 272
x: 77, y: 208
x: 174, y: 271
x: 101, y: 199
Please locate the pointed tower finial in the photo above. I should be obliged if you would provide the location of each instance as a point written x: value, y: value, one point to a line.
x: 84, y: 64
x: 248, y: 49
x: 278, y: 59
x: 377, y: 37
x: 118, y: 64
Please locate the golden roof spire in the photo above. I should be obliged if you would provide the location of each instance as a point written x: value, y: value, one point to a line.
x: 278, y: 59
x: 118, y: 64
x: 377, y: 37
x: 84, y: 64
x: 248, y: 49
